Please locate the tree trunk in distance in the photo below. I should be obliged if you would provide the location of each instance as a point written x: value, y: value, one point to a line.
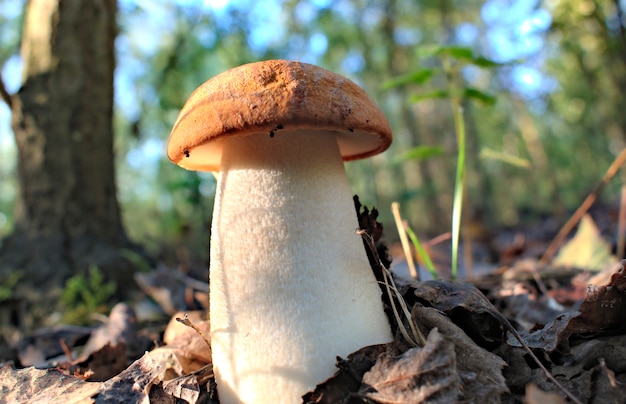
x: 67, y: 213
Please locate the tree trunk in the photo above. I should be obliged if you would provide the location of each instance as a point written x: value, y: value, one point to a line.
x: 67, y: 214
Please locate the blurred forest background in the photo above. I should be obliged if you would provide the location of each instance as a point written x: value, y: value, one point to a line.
x: 557, y: 123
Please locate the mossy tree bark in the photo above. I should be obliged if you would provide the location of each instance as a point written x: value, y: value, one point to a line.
x: 67, y: 213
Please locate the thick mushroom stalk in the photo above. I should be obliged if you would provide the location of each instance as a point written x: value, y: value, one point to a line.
x: 291, y: 287
x: 290, y: 284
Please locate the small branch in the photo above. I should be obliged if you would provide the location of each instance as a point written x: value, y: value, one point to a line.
x: 583, y: 208
x: 185, y: 320
x: 6, y: 97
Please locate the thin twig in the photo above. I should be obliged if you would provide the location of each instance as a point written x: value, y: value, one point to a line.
x: 392, y: 291
x: 549, y: 375
x: 188, y: 323
x: 6, y: 97
x: 583, y: 208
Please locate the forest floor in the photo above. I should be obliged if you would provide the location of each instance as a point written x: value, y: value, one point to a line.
x: 514, y: 330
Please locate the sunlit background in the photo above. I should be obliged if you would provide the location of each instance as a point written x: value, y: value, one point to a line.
x: 559, y: 104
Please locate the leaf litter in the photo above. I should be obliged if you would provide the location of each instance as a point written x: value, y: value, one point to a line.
x: 480, y: 340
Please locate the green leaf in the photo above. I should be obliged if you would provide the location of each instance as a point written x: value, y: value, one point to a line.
x: 478, y: 95
x: 419, y: 153
x: 426, y: 51
x: 487, y: 153
x: 483, y: 62
x: 422, y: 253
x: 460, y: 52
x: 430, y: 95
x: 418, y: 77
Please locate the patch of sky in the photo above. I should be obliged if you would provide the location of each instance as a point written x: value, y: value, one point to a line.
x: 12, y: 73
x: 346, y: 11
x: 466, y: 33
x: 532, y: 81
x: 305, y: 12
x: 151, y: 149
x: 318, y: 43
x: 11, y: 77
x: 372, y: 16
x: 405, y: 36
x: 206, y: 36
x: 265, y: 14
x: 12, y: 8
x: 515, y: 28
x: 216, y: 5
x: 353, y: 62
x: 516, y: 34
x: 322, y: 3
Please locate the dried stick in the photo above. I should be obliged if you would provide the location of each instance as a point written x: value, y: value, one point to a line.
x: 583, y: 208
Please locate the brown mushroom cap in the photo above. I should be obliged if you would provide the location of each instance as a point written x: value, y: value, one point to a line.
x: 272, y: 96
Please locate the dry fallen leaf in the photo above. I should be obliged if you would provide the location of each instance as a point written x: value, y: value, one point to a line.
x: 31, y: 385
x: 347, y: 380
x: 479, y: 371
x: 467, y: 307
x: 587, y: 250
x: 39, y: 347
x: 120, y: 327
x: 102, y: 364
x: 534, y: 395
x: 603, y: 312
x: 187, y: 344
x: 173, y: 290
x: 418, y: 375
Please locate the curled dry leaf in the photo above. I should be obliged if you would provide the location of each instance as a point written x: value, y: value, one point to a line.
x: 186, y: 342
x: 148, y: 377
x: 479, y: 371
x: 47, y: 386
x: 44, y: 344
x: 391, y: 373
x: 133, y: 384
x: 121, y: 327
x: 173, y: 290
x: 603, y: 312
x: 467, y: 307
x: 102, y: 364
x: 534, y: 395
x: 418, y: 375
x: 347, y: 380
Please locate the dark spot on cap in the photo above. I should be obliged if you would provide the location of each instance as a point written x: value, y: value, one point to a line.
x: 186, y: 153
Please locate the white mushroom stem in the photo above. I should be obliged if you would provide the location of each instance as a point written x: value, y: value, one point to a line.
x: 291, y: 286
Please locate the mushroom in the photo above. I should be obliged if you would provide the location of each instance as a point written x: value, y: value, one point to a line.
x: 290, y: 283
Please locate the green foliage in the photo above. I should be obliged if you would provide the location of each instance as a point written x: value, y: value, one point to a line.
x: 8, y: 283
x: 419, y: 153
x: 420, y: 76
x: 372, y: 43
x: 487, y: 153
x: 422, y: 253
x: 452, y: 58
x: 85, y: 295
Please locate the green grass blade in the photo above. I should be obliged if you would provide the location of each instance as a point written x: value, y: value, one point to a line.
x: 421, y: 251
